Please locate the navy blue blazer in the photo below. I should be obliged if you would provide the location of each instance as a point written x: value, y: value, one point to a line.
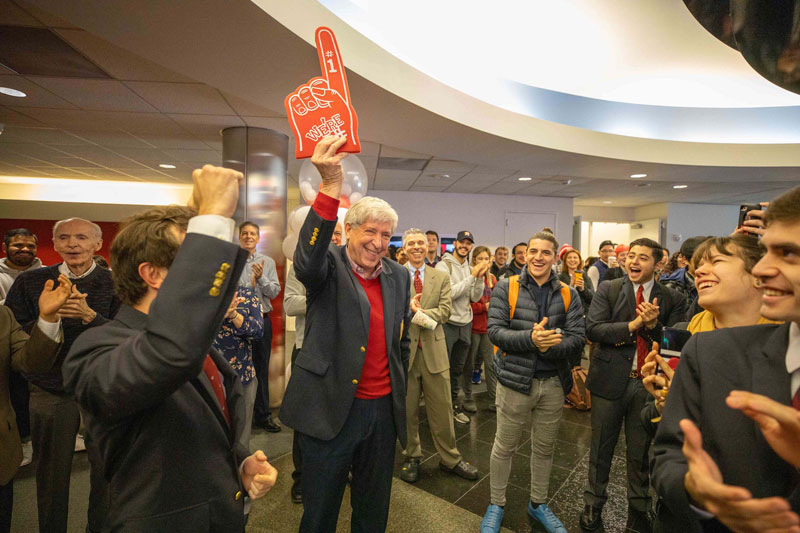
x: 171, y: 460
x: 326, y: 372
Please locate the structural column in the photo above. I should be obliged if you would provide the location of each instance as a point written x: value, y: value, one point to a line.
x: 261, y: 155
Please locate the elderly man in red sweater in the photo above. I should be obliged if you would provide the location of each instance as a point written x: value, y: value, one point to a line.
x: 346, y: 396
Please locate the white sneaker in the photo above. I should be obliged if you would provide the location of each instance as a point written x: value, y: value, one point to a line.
x: 27, y: 453
x: 80, y: 446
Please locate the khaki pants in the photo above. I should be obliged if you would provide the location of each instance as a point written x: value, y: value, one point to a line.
x: 439, y: 407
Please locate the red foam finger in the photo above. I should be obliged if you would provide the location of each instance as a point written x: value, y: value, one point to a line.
x: 295, y: 105
x: 305, y: 95
x: 330, y: 62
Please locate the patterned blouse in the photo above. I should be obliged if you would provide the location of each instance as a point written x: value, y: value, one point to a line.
x: 236, y: 344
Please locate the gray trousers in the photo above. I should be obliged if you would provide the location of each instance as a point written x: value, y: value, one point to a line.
x: 457, y: 339
x: 482, y: 350
x: 607, y: 419
x: 545, y: 404
x: 250, y: 391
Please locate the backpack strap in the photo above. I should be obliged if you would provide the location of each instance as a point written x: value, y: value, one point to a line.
x: 513, y: 295
x: 566, y: 296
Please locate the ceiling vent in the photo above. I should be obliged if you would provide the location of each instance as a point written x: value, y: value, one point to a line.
x: 40, y: 52
x: 401, y: 163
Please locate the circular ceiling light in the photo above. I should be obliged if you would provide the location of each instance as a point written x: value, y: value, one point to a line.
x: 679, y: 186
x: 637, y: 176
x: 525, y: 178
x: 12, y: 92
x: 165, y: 165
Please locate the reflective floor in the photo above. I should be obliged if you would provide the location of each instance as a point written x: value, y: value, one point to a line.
x: 438, y: 503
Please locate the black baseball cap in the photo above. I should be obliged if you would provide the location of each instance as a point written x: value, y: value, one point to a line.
x: 465, y: 235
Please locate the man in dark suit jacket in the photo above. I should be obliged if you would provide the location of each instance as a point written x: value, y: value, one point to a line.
x: 346, y: 396
x: 166, y: 411
x: 625, y: 316
x: 715, y: 468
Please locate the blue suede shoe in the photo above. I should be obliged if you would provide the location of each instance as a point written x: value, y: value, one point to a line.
x: 492, y: 518
x: 545, y: 516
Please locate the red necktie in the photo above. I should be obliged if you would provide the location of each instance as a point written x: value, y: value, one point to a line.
x: 214, y: 377
x: 796, y: 400
x: 641, y: 344
x: 417, y: 282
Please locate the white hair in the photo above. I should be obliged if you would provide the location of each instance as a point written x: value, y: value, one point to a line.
x: 411, y: 231
x: 97, y: 231
x: 372, y: 209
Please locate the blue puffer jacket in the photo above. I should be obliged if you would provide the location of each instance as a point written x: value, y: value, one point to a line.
x: 516, y: 357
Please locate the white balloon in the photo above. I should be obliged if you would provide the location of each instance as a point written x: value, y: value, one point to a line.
x: 297, y: 217
x: 355, y: 176
x: 289, y: 245
x: 308, y: 192
x: 356, y: 196
x: 346, y: 189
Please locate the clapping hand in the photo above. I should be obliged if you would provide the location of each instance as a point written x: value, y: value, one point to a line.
x: 780, y: 424
x: 258, y: 476
x: 656, y: 385
x: 480, y: 270
x: 648, y: 312
x: 733, y: 506
x: 234, y: 305
x: 76, y: 307
x: 52, y: 299
x: 257, y: 271
x: 544, y: 339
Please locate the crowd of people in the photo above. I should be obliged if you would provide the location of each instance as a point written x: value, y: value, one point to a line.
x: 165, y: 399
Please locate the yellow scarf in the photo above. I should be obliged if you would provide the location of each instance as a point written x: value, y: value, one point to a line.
x: 704, y: 321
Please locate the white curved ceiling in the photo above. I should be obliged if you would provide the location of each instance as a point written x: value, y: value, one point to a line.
x: 650, y: 52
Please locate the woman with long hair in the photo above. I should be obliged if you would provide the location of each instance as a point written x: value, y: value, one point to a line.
x: 481, y: 349
x: 572, y: 274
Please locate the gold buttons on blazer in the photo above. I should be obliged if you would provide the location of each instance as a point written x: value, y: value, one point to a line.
x: 219, y: 279
x: 238, y: 495
x: 355, y: 382
x: 363, y: 349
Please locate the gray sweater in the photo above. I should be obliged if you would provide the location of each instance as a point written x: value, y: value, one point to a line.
x: 463, y: 288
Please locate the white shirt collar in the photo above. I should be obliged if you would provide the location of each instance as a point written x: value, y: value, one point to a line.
x: 64, y: 269
x: 412, y: 270
x: 793, y: 349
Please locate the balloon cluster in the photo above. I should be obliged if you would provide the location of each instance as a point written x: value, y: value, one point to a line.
x: 354, y: 188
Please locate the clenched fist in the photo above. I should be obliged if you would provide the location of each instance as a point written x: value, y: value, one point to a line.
x: 216, y: 190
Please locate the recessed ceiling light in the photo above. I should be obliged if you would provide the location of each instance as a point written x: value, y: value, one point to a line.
x: 636, y: 176
x: 525, y: 178
x: 679, y: 186
x: 441, y: 176
x: 608, y: 202
x: 12, y: 92
x: 165, y: 165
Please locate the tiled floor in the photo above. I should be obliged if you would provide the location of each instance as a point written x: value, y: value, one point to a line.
x: 438, y: 503
x: 567, y: 479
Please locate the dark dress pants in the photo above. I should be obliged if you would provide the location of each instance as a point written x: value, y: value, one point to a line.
x: 18, y: 391
x: 607, y: 419
x: 297, y: 458
x: 366, y: 443
x: 6, y: 505
x: 262, y: 348
x: 458, y: 339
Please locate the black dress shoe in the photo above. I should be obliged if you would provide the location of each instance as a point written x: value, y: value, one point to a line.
x: 297, y: 492
x: 410, y: 471
x: 462, y: 469
x: 639, y: 521
x: 269, y: 425
x: 591, y: 518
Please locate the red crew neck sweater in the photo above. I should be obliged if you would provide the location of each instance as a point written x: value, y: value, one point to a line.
x: 374, y: 382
